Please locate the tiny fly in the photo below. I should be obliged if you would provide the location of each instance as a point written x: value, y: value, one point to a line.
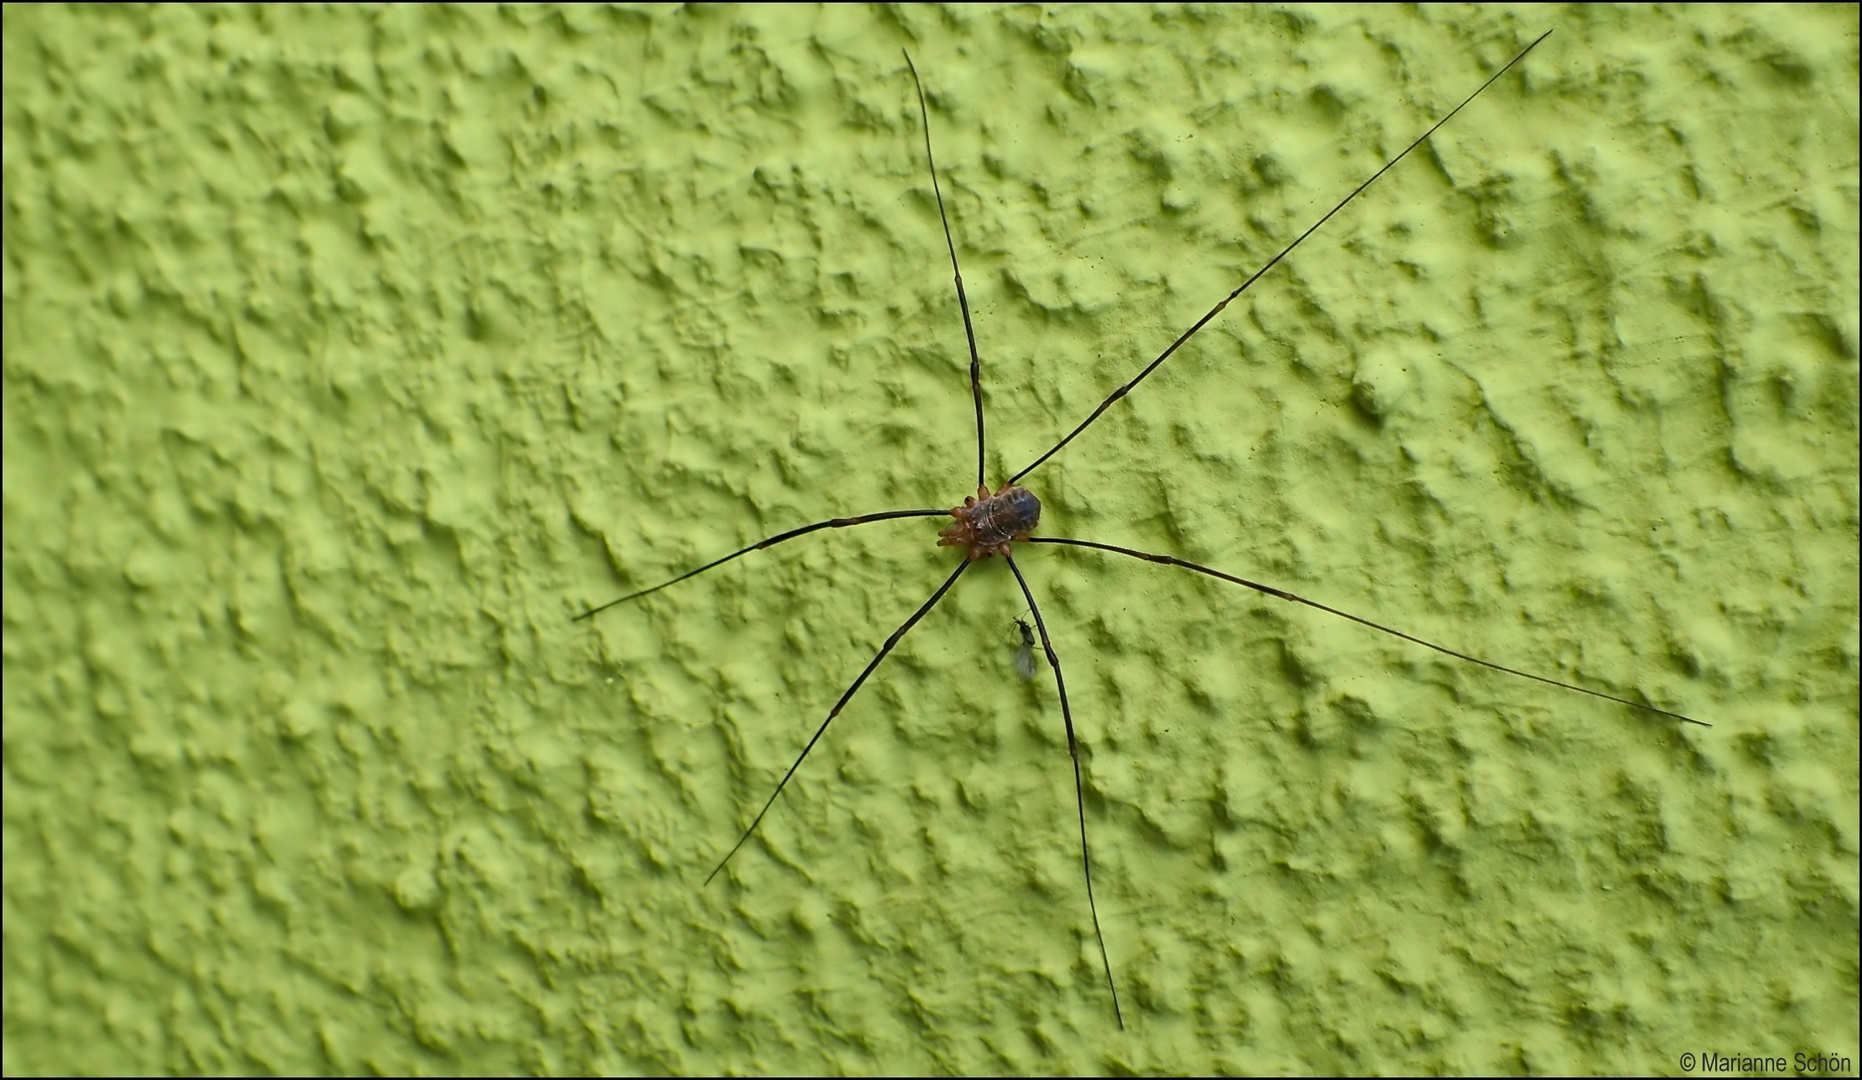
x: 1024, y: 653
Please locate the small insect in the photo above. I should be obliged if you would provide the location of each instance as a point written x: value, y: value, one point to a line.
x: 990, y: 523
x: 1024, y: 653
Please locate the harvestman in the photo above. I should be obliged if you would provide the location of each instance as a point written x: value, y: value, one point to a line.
x: 989, y: 524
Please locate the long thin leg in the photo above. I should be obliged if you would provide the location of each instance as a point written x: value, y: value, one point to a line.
x: 831, y: 523
x: 976, y: 365
x: 1282, y: 594
x: 1271, y: 263
x: 1079, y: 786
x: 898, y: 634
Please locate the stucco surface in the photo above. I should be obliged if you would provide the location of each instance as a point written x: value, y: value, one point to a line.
x: 349, y: 353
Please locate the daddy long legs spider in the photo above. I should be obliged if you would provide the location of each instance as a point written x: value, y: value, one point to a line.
x: 991, y: 522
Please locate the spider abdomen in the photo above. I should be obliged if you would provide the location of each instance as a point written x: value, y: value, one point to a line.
x: 987, y: 524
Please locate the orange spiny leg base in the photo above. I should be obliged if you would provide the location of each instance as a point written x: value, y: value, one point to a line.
x: 987, y: 524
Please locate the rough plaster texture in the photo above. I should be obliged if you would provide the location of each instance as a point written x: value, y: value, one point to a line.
x: 348, y: 352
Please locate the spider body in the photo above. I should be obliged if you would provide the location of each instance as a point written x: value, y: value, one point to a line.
x: 988, y: 524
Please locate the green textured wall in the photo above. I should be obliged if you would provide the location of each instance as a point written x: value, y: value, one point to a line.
x: 348, y: 352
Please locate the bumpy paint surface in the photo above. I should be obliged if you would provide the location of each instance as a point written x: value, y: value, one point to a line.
x: 347, y: 354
